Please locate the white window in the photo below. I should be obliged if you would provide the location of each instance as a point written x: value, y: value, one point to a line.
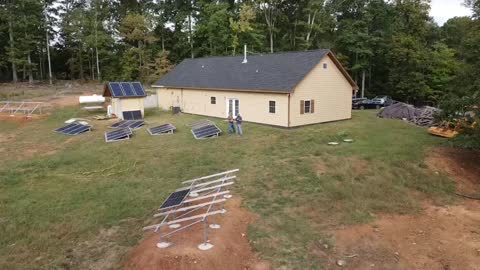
x: 272, y: 106
x: 325, y: 65
x: 233, y: 107
x: 307, y: 106
x: 213, y: 100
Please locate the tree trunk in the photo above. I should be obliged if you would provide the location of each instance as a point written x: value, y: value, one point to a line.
x: 12, y: 46
x: 48, y: 58
x: 271, y: 41
x: 80, y: 59
x: 363, y: 83
x: 99, y: 76
x: 190, y: 35
x: 30, y: 72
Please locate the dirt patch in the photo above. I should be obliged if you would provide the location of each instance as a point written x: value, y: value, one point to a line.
x: 21, y: 118
x: 231, y: 246
x: 461, y: 165
x: 360, y: 166
x: 320, y: 168
x: 439, y: 238
x: 99, y: 253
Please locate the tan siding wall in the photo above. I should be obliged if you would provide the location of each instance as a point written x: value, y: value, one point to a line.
x: 253, y: 106
x: 127, y: 104
x: 330, y: 90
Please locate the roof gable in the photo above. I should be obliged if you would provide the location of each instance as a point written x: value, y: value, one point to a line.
x: 278, y: 72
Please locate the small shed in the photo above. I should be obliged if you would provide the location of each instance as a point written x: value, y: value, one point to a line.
x: 126, y: 98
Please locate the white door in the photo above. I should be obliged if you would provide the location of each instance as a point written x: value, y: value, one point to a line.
x: 233, y: 107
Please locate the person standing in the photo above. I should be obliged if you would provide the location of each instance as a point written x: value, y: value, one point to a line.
x: 239, y: 121
x: 231, y: 126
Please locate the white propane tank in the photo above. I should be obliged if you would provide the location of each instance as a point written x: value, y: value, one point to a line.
x: 91, y: 99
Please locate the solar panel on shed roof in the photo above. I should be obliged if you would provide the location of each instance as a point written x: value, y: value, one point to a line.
x: 126, y: 89
x: 207, y: 131
x: 175, y: 199
x: 73, y: 129
x: 162, y: 129
x: 138, y: 88
x: 132, y: 115
x: 118, y: 135
x: 116, y: 89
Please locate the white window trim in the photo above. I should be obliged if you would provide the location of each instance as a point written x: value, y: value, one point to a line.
x: 226, y: 105
x: 268, y: 106
x: 305, y: 106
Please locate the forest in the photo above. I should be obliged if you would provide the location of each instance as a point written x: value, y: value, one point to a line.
x: 390, y: 47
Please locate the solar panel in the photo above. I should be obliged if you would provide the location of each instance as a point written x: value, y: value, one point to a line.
x: 116, y: 90
x: 175, y: 199
x: 128, y: 89
x: 162, y: 129
x: 73, y: 129
x: 118, y: 135
x: 138, y: 88
x: 132, y: 115
x: 206, y: 131
x: 132, y: 124
x: 136, y: 124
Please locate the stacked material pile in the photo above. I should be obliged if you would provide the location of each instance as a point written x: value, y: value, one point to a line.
x: 419, y: 116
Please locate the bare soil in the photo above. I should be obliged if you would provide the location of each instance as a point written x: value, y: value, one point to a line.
x: 461, y: 165
x: 437, y: 238
x: 231, y: 246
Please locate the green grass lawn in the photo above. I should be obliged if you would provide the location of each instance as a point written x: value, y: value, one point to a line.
x: 77, y: 199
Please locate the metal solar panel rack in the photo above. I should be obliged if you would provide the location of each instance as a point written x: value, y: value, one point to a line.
x: 28, y: 108
x: 195, y: 203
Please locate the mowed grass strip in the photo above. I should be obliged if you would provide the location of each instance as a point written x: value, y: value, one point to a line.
x: 77, y: 202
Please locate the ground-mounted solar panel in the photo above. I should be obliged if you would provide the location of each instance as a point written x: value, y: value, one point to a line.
x: 128, y: 89
x: 73, y: 129
x: 132, y: 115
x: 116, y: 89
x: 175, y: 199
x: 162, y: 129
x: 138, y: 89
x: 207, y: 131
x: 132, y: 124
x: 118, y: 135
x: 201, y: 123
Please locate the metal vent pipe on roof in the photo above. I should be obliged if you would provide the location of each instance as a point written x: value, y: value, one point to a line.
x: 244, y: 54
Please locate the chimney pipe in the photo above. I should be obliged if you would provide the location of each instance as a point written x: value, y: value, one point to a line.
x: 244, y: 54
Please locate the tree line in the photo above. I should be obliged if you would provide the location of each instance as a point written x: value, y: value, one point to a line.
x: 389, y: 47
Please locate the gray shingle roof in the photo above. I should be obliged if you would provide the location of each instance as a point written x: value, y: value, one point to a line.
x: 278, y: 72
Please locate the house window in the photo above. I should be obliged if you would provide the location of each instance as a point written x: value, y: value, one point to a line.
x: 213, y: 100
x: 325, y: 65
x: 271, y: 106
x: 307, y: 106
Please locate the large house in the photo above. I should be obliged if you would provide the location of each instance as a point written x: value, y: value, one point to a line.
x: 283, y: 89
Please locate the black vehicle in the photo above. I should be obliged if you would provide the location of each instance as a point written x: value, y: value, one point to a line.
x: 375, y: 103
x: 367, y: 104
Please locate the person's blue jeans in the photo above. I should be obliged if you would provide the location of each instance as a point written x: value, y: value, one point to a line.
x: 239, y: 129
x: 231, y: 128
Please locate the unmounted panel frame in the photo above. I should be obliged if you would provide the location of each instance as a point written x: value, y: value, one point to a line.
x: 118, y: 135
x: 73, y: 129
x: 162, y: 129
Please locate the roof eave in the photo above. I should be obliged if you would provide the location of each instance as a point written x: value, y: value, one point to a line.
x: 226, y: 89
